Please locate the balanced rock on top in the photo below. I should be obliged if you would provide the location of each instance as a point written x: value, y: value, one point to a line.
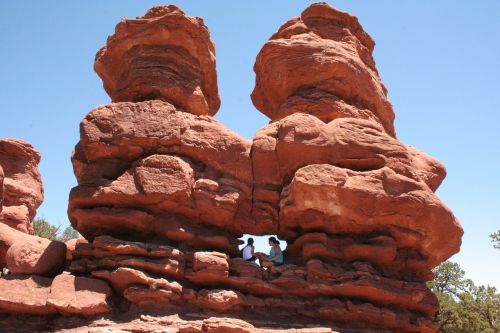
x: 321, y: 63
x: 163, y: 55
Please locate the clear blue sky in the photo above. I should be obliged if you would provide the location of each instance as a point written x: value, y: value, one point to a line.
x: 439, y: 59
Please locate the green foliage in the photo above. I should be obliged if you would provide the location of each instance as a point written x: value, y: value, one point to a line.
x: 450, y: 280
x: 465, y: 308
x: 44, y: 229
x: 68, y: 233
x: 495, y: 238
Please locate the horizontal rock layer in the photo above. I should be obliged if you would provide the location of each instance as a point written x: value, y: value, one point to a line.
x: 212, y: 280
x: 163, y: 55
x: 175, y: 323
x: 356, y: 207
x: 148, y: 169
x: 65, y: 294
x: 21, y: 190
x: 321, y: 64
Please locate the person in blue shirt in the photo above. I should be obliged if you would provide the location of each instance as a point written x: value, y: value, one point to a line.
x: 275, y: 257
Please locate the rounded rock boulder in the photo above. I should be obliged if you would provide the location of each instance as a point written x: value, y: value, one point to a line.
x: 35, y: 255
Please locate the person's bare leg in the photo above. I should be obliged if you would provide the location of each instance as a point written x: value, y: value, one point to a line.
x: 267, y: 263
x: 261, y: 260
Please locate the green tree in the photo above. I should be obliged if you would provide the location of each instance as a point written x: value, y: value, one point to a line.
x: 465, y: 308
x: 495, y: 238
x: 449, y: 279
x: 44, y: 229
x: 68, y: 233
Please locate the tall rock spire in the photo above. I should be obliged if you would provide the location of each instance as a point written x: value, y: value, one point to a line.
x: 321, y: 63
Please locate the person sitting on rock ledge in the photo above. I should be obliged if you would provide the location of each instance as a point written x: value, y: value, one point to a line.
x: 275, y: 257
x: 249, y: 251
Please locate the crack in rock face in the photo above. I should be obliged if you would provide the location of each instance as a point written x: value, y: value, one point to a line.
x: 165, y: 191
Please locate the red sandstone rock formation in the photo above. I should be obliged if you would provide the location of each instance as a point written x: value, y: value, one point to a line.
x: 20, y: 183
x: 25, y: 294
x: 162, y: 161
x: 28, y: 254
x: 21, y: 193
x: 79, y: 295
x: 2, y: 176
x: 65, y: 294
x: 321, y: 63
x: 165, y: 191
x: 163, y: 55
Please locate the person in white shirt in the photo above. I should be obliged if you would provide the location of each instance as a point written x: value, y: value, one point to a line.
x: 248, y: 251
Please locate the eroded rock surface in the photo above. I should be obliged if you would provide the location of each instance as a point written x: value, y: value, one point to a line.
x: 164, y: 194
x: 163, y: 55
x: 21, y: 184
x: 36, y: 255
x: 25, y: 294
x: 162, y: 161
x: 156, y: 279
x: 65, y: 294
x: 79, y: 295
x: 165, y: 191
x: 321, y: 63
x: 28, y: 254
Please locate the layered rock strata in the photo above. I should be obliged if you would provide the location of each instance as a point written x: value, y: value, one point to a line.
x: 65, y: 294
x: 212, y: 281
x: 29, y: 262
x: 342, y: 189
x: 167, y: 174
x: 21, y: 193
x: 321, y: 63
x: 165, y: 191
x: 163, y: 55
x: 21, y: 190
